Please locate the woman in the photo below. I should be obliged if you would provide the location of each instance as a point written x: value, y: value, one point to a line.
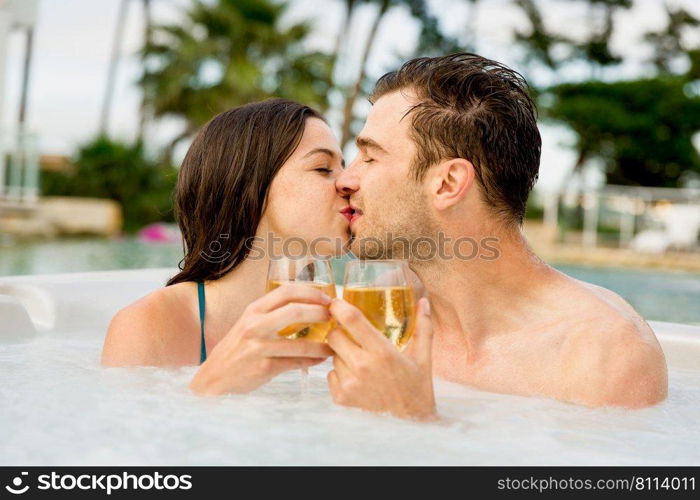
x: 267, y: 171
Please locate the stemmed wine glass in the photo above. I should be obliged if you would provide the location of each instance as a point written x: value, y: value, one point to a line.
x: 381, y: 289
x: 312, y: 271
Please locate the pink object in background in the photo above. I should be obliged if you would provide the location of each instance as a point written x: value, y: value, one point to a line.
x: 160, y: 233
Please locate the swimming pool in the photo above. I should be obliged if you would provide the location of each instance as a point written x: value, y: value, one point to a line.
x: 60, y: 407
x: 661, y: 296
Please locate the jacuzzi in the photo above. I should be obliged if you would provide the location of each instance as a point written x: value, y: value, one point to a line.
x: 60, y: 407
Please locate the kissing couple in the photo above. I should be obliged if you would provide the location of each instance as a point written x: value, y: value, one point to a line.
x: 450, y: 149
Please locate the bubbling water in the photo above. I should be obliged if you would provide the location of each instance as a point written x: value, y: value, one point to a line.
x: 60, y: 407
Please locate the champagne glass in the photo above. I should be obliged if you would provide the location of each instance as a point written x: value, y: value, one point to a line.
x: 381, y: 290
x: 311, y: 271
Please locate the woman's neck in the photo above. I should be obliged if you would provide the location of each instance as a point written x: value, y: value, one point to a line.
x: 228, y: 296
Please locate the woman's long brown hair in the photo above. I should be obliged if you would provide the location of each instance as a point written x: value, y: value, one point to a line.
x: 224, y: 179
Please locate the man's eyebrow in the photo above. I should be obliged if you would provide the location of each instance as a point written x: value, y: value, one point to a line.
x: 324, y: 151
x: 367, y: 143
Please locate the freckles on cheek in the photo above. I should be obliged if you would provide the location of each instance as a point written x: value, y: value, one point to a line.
x: 283, y: 206
x: 305, y: 204
x: 291, y: 207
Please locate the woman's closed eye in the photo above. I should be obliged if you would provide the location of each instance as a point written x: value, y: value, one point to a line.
x: 324, y: 170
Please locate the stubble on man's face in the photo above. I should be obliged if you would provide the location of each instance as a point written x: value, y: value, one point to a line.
x: 393, y: 219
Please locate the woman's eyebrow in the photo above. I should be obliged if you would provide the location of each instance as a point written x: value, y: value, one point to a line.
x: 324, y: 151
x: 314, y: 151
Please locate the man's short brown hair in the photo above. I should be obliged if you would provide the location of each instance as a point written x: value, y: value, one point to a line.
x: 477, y: 109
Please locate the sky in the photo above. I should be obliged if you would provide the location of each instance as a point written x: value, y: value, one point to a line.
x: 73, y: 42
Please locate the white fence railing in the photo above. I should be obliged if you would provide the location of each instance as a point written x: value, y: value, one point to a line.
x: 674, y: 212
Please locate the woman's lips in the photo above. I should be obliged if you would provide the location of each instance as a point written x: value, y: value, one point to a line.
x: 351, y: 213
x: 347, y: 212
x: 356, y: 214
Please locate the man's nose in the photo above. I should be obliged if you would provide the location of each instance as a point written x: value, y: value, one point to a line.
x: 348, y: 182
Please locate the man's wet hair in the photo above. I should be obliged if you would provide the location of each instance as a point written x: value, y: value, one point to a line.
x: 473, y: 108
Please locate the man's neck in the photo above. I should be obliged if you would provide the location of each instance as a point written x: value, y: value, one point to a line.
x: 475, y: 298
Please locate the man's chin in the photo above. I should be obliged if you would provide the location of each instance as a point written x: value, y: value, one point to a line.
x: 354, y: 245
x: 368, y: 248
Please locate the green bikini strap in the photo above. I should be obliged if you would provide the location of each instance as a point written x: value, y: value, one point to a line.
x: 202, y: 301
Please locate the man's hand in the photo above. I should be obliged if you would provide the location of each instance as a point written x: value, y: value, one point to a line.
x: 372, y: 374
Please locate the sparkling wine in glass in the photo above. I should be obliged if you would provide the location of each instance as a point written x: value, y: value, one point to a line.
x: 310, y: 271
x: 381, y: 290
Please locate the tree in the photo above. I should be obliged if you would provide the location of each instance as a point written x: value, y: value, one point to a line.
x: 641, y: 130
x: 113, y: 63
x: 147, y: 31
x: 668, y: 43
x: 104, y: 168
x: 541, y: 43
x: 536, y: 39
x: 227, y: 53
x: 355, y: 90
x: 431, y: 40
x: 596, y: 48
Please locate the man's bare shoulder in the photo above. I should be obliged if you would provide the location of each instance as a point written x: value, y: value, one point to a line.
x: 153, y: 330
x: 610, y: 355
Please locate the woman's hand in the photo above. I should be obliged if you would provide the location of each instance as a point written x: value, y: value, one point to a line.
x: 252, y: 353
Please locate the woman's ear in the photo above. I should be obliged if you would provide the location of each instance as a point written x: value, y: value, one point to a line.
x: 451, y: 181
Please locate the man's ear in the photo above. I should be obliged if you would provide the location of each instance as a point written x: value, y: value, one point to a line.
x: 451, y: 182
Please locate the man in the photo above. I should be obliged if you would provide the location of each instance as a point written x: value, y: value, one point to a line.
x: 450, y: 152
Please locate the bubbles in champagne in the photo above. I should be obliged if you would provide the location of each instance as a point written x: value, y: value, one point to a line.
x: 391, y: 309
x: 313, y: 331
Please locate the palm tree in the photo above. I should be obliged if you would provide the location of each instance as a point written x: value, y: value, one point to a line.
x: 147, y: 28
x: 227, y: 53
x: 537, y: 39
x: 343, y: 31
x: 114, y: 60
x: 348, y: 115
x: 431, y: 40
x: 28, y: 52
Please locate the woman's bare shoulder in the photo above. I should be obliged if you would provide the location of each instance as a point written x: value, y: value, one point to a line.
x: 158, y: 329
